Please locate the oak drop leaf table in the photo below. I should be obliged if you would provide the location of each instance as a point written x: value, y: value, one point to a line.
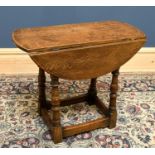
x: 75, y: 52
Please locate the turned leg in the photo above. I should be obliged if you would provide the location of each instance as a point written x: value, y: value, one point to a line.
x: 41, y: 87
x: 56, y: 120
x: 92, y: 92
x: 113, y: 96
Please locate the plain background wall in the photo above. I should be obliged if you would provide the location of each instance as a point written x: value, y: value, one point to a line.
x: 12, y: 18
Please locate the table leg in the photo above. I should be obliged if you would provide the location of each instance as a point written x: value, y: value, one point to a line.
x: 41, y: 86
x: 113, y: 96
x: 92, y: 92
x: 56, y: 120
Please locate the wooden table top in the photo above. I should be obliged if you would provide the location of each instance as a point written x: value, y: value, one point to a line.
x: 74, y: 35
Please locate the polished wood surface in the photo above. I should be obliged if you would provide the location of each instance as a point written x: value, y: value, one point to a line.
x: 86, y: 63
x: 55, y: 102
x: 109, y: 114
x: 113, y: 96
x: 79, y: 51
x: 58, y: 37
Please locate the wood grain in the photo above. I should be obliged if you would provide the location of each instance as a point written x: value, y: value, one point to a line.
x: 87, y: 63
x: 79, y: 51
x: 113, y: 96
x: 55, y: 102
x: 74, y: 35
x: 97, y: 48
x: 87, y: 126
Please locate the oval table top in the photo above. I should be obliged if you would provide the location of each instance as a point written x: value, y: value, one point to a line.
x: 67, y: 36
x: 80, y: 51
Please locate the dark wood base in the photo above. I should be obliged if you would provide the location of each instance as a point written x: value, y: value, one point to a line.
x: 75, y: 129
x: 108, y: 118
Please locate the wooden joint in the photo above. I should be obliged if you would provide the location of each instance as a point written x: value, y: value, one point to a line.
x: 56, y: 123
x: 113, y: 95
x: 55, y: 108
x: 115, y: 72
